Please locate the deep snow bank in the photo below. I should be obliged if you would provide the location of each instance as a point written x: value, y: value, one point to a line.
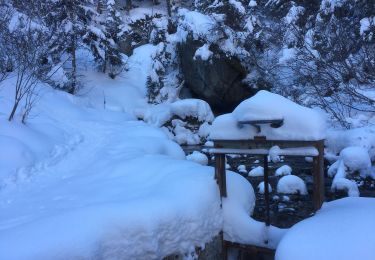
x: 342, y: 229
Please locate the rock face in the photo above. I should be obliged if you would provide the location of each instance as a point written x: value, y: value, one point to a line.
x: 217, y: 81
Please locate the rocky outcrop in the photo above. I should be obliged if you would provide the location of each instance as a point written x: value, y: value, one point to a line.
x: 219, y: 80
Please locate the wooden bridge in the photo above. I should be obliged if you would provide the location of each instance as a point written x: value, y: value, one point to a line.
x: 261, y: 146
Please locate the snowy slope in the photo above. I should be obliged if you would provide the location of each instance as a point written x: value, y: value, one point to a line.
x: 88, y: 181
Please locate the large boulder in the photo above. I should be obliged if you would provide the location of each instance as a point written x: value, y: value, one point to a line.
x: 218, y: 80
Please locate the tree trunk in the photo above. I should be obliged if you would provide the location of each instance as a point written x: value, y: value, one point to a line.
x: 171, y: 29
x: 169, y: 8
x: 14, y: 109
x: 128, y: 5
x: 105, y: 61
x: 74, y: 67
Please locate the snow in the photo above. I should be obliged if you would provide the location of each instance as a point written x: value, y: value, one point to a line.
x: 209, y: 144
x: 203, y: 52
x: 291, y: 184
x: 356, y: 159
x: 238, y: 5
x: 338, y: 231
x: 252, y: 3
x: 193, y: 108
x: 283, y: 170
x: 351, y: 159
x: 287, y: 54
x: 83, y: 179
x: 195, y: 22
x: 347, y: 185
x: 365, y: 24
x: 294, y: 13
x: 256, y: 172
x: 261, y: 187
x: 182, y: 110
x: 268, y: 106
x: 338, y: 139
x: 242, y: 228
x: 197, y: 157
x: 158, y: 115
x: 242, y: 168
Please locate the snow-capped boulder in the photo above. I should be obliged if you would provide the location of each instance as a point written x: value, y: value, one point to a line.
x: 283, y: 170
x: 188, y: 120
x: 261, y: 187
x: 198, y: 157
x: 291, y: 184
x: 256, y: 172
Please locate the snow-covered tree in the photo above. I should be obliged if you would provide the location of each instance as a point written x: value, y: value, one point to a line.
x: 102, y: 37
x: 74, y: 17
x: 112, y: 60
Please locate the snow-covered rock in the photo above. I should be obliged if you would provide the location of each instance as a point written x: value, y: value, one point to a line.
x: 344, y: 184
x: 203, y: 52
x: 256, y: 172
x: 188, y: 120
x: 356, y: 159
x: 351, y: 159
x: 242, y: 168
x: 283, y: 170
x: 291, y: 184
x: 261, y: 187
x: 198, y: 157
x: 196, y: 108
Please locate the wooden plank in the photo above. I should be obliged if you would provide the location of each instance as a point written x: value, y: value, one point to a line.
x: 266, y: 191
x: 262, y: 122
x: 310, y: 151
x: 250, y: 248
x: 318, y: 176
x: 220, y: 174
x: 262, y: 143
x: 275, y: 123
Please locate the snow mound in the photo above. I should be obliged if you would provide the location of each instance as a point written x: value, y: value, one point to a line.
x: 190, y: 107
x: 337, y: 140
x: 238, y: 225
x: 187, y: 120
x: 203, y: 52
x: 195, y: 22
x: 197, y: 157
x: 351, y: 159
x: 256, y: 172
x: 356, y: 159
x: 342, y: 229
x: 283, y: 170
x: 291, y: 184
x: 261, y: 187
x: 242, y: 168
x: 268, y: 106
x: 346, y: 185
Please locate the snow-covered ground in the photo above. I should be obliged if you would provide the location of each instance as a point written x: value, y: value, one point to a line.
x: 342, y: 229
x: 85, y: 179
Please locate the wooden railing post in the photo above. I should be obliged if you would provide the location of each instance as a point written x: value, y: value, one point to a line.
x: 318, y: 176
x: 220, y: 175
